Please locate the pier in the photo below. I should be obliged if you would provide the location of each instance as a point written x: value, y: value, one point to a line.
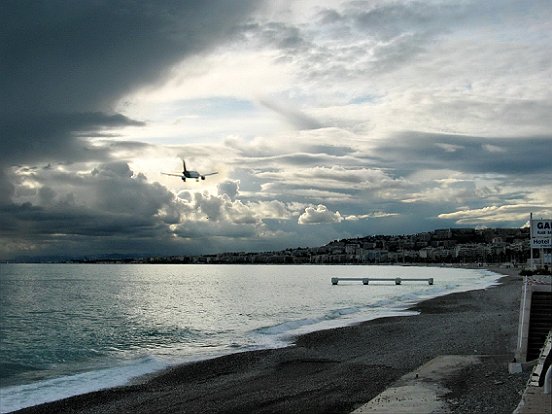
x: 367, y: 280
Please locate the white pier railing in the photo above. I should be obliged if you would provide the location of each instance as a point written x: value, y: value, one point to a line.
x: 367, y: 280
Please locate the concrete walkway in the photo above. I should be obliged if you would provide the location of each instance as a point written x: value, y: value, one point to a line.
x: 535, y: 401
x: 420, y: 391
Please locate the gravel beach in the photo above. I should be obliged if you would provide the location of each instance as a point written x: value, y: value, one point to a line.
x: 338, y: 370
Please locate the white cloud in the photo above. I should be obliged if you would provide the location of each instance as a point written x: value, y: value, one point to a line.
x: 375, y: 214
x: 494, y: 214
x: 319, y: 214
x: 493, y: 149
x: 229, y: 188
x: 449, y: 147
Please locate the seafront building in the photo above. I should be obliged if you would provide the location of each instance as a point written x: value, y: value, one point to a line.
x: 454, y: 246
x: 441, y: 246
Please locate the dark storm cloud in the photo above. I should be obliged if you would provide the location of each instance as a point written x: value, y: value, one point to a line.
x: 66, y: 221
x: 64, y: 64
x: 109, y: 202
x: 520, y: 156
x: 55, y: 136
x: 64, y: 67
x: 75, y: 56
x: 7, y: 189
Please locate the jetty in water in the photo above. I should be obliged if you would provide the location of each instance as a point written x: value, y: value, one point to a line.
x: 367, y: 280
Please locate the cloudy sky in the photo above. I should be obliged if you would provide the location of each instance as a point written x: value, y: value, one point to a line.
x: 325, y: 120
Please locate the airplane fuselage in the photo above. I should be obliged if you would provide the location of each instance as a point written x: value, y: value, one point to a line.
x: 191, y: 174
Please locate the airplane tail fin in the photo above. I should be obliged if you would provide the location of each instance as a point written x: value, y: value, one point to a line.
x: 184, y: 165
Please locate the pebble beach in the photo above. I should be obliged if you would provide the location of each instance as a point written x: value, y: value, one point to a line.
x: 339, y: 370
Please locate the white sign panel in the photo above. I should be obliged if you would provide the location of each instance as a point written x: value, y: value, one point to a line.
x: 541, y: 234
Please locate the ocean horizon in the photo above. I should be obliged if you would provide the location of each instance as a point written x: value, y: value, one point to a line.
x: 68, y: 329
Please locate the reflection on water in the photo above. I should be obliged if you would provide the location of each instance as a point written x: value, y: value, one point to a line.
x: 61, y: 319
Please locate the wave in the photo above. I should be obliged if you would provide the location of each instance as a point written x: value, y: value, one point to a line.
x: 333, y: 318
x: 393, y: 306
x: 22, y: 396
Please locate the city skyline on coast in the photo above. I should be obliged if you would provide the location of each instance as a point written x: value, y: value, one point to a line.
x: 324, y: 121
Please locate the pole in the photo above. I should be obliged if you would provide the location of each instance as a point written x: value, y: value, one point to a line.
x: 522, y: 318
x: 531, y: 239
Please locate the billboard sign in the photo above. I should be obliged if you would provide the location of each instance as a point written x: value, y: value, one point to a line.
x: 541, y: 234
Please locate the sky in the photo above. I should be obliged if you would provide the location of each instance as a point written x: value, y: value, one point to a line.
x: 324, y: 120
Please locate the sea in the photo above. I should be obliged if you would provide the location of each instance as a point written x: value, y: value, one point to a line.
x: 68, y: 329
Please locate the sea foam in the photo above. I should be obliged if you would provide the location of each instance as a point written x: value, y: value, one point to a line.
x: 20, y: 396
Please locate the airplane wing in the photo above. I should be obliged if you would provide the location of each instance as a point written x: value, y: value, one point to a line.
x: 174, y: 175
x: 213, y: 173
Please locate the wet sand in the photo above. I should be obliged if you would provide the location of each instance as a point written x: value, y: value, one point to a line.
x: 338, y: 370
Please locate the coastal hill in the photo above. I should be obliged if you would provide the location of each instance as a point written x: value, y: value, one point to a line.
x: 451, y: 245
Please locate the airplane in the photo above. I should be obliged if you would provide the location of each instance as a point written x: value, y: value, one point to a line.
x: 190, y: 174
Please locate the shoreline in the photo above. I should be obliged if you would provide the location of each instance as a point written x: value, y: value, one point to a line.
x: 334, y: 370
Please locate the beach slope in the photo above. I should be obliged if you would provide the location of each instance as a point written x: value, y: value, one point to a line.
x: 339, y: 370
